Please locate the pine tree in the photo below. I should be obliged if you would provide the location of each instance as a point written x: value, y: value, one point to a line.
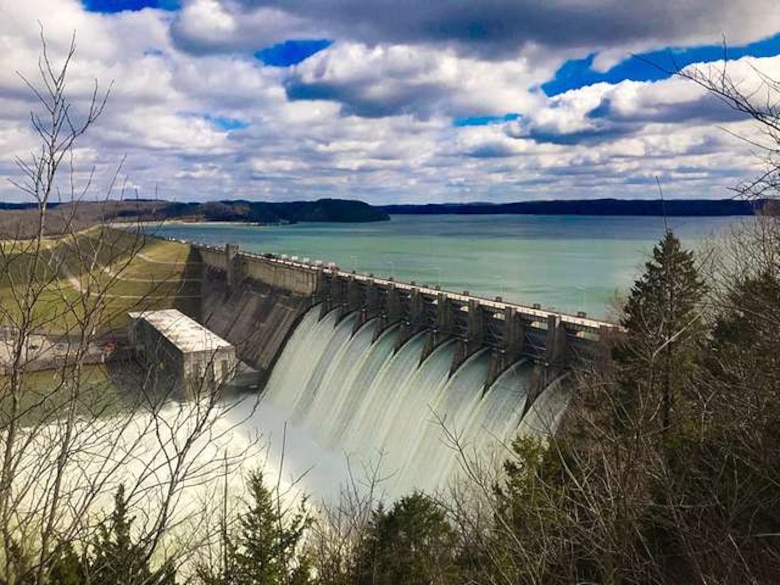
x: 744, y: 361
x: 116, y: 559
x: 265, y: 550
x: 413, y: 544
x: 746, y: 337
x: 67, y: 568
x: 664, y: 330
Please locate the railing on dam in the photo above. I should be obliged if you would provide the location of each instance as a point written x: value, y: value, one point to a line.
x: 497, y: 303
x: 580, y: 321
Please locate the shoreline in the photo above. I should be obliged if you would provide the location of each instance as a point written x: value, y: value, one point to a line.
x: 179, y: 222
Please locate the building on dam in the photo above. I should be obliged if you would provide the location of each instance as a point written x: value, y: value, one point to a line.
x: 180, y: 352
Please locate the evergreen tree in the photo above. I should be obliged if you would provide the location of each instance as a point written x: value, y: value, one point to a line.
x: 744, y: 367
x: 746, y: 336
x: 732, y: 466
x: 67, y: 567
x: 531, y: 512
x: 116, y: 559
x: 265, y: 550
x: 413, y: 544
x: 664, y: 331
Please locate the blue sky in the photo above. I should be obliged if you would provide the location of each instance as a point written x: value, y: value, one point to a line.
x: 573, y: 74
x: 291, y: 52
x: 653, y: 65
x: 220, y: 122
x: 114, y: 6
x: 436, y: 102
x: 485, y: 120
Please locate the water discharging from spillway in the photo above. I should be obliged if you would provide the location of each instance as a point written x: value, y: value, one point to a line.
x: 363, y: 402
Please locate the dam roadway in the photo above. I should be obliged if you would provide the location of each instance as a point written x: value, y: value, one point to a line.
x: 256, y: 300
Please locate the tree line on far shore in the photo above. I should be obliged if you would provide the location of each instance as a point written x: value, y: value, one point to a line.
x: 21, y: 220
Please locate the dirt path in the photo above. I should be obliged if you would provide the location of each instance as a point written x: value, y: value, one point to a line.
x: 114, y: 274
x: 148, y: 258
x: 76, y: 284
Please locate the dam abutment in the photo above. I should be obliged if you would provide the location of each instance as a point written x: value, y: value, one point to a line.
x: 254, y: 304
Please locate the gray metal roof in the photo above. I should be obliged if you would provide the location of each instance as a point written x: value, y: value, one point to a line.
x: 185, y: 333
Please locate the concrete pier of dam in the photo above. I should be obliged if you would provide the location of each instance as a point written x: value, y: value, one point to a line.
x: 256, y: 300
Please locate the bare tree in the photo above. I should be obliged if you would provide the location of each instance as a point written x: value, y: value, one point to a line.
x: 757, y: 97
x: 69, y: 435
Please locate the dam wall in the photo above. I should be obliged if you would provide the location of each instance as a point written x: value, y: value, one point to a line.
x: 386, y: 373
x: 253, y: 303
x: 256, y: 300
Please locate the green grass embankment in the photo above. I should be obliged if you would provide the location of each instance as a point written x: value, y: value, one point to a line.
x: 104, y: 273
x: 47, y: 395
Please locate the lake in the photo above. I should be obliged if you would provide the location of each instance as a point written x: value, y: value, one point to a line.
x: 566, y: 263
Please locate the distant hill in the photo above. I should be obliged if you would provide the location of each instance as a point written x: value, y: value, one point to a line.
x: 640, y: 207
x: 334, y: 210
x: 19, y: 219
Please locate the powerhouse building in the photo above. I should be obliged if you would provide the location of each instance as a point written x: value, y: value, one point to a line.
x: 180, y: 352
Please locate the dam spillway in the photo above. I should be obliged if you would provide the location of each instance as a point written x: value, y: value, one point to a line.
x: 385, y: 373
x: 360, y: 396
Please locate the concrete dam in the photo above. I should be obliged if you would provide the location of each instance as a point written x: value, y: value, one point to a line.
x: 378, y: 369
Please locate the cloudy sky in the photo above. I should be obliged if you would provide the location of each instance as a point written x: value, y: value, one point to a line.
x: 396, y: 100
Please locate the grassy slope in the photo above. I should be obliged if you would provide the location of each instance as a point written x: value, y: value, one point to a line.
x: 114, y: 270
x: 46, y: 394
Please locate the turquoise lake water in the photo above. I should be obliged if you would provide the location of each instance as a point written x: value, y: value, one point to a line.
x: 566, y: 263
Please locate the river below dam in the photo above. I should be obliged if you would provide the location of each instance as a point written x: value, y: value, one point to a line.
x: 565, y: 263
x: 341, y: 402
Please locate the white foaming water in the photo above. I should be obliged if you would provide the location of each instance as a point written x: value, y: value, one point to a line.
x: 353, y: 401
x: 335, y: 400
x: 294, y: 367
x: 381, y: 398
x: 335, y: 387
x: 501, y: 409
x: 324, y: 371
x: 379, y: 353
x: 547, y: 410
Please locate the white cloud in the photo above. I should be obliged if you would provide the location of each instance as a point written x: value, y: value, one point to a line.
x: 204, y: 26
x: 383, y: 130
x: 489, y: 29
x: 380, y: 80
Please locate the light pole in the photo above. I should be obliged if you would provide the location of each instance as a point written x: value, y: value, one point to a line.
x: 392, y: 269
x: 438, y: 276
x: 500, y: 286
x: 354, y: 263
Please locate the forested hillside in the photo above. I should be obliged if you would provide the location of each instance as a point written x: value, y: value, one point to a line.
x: 20, y: 220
